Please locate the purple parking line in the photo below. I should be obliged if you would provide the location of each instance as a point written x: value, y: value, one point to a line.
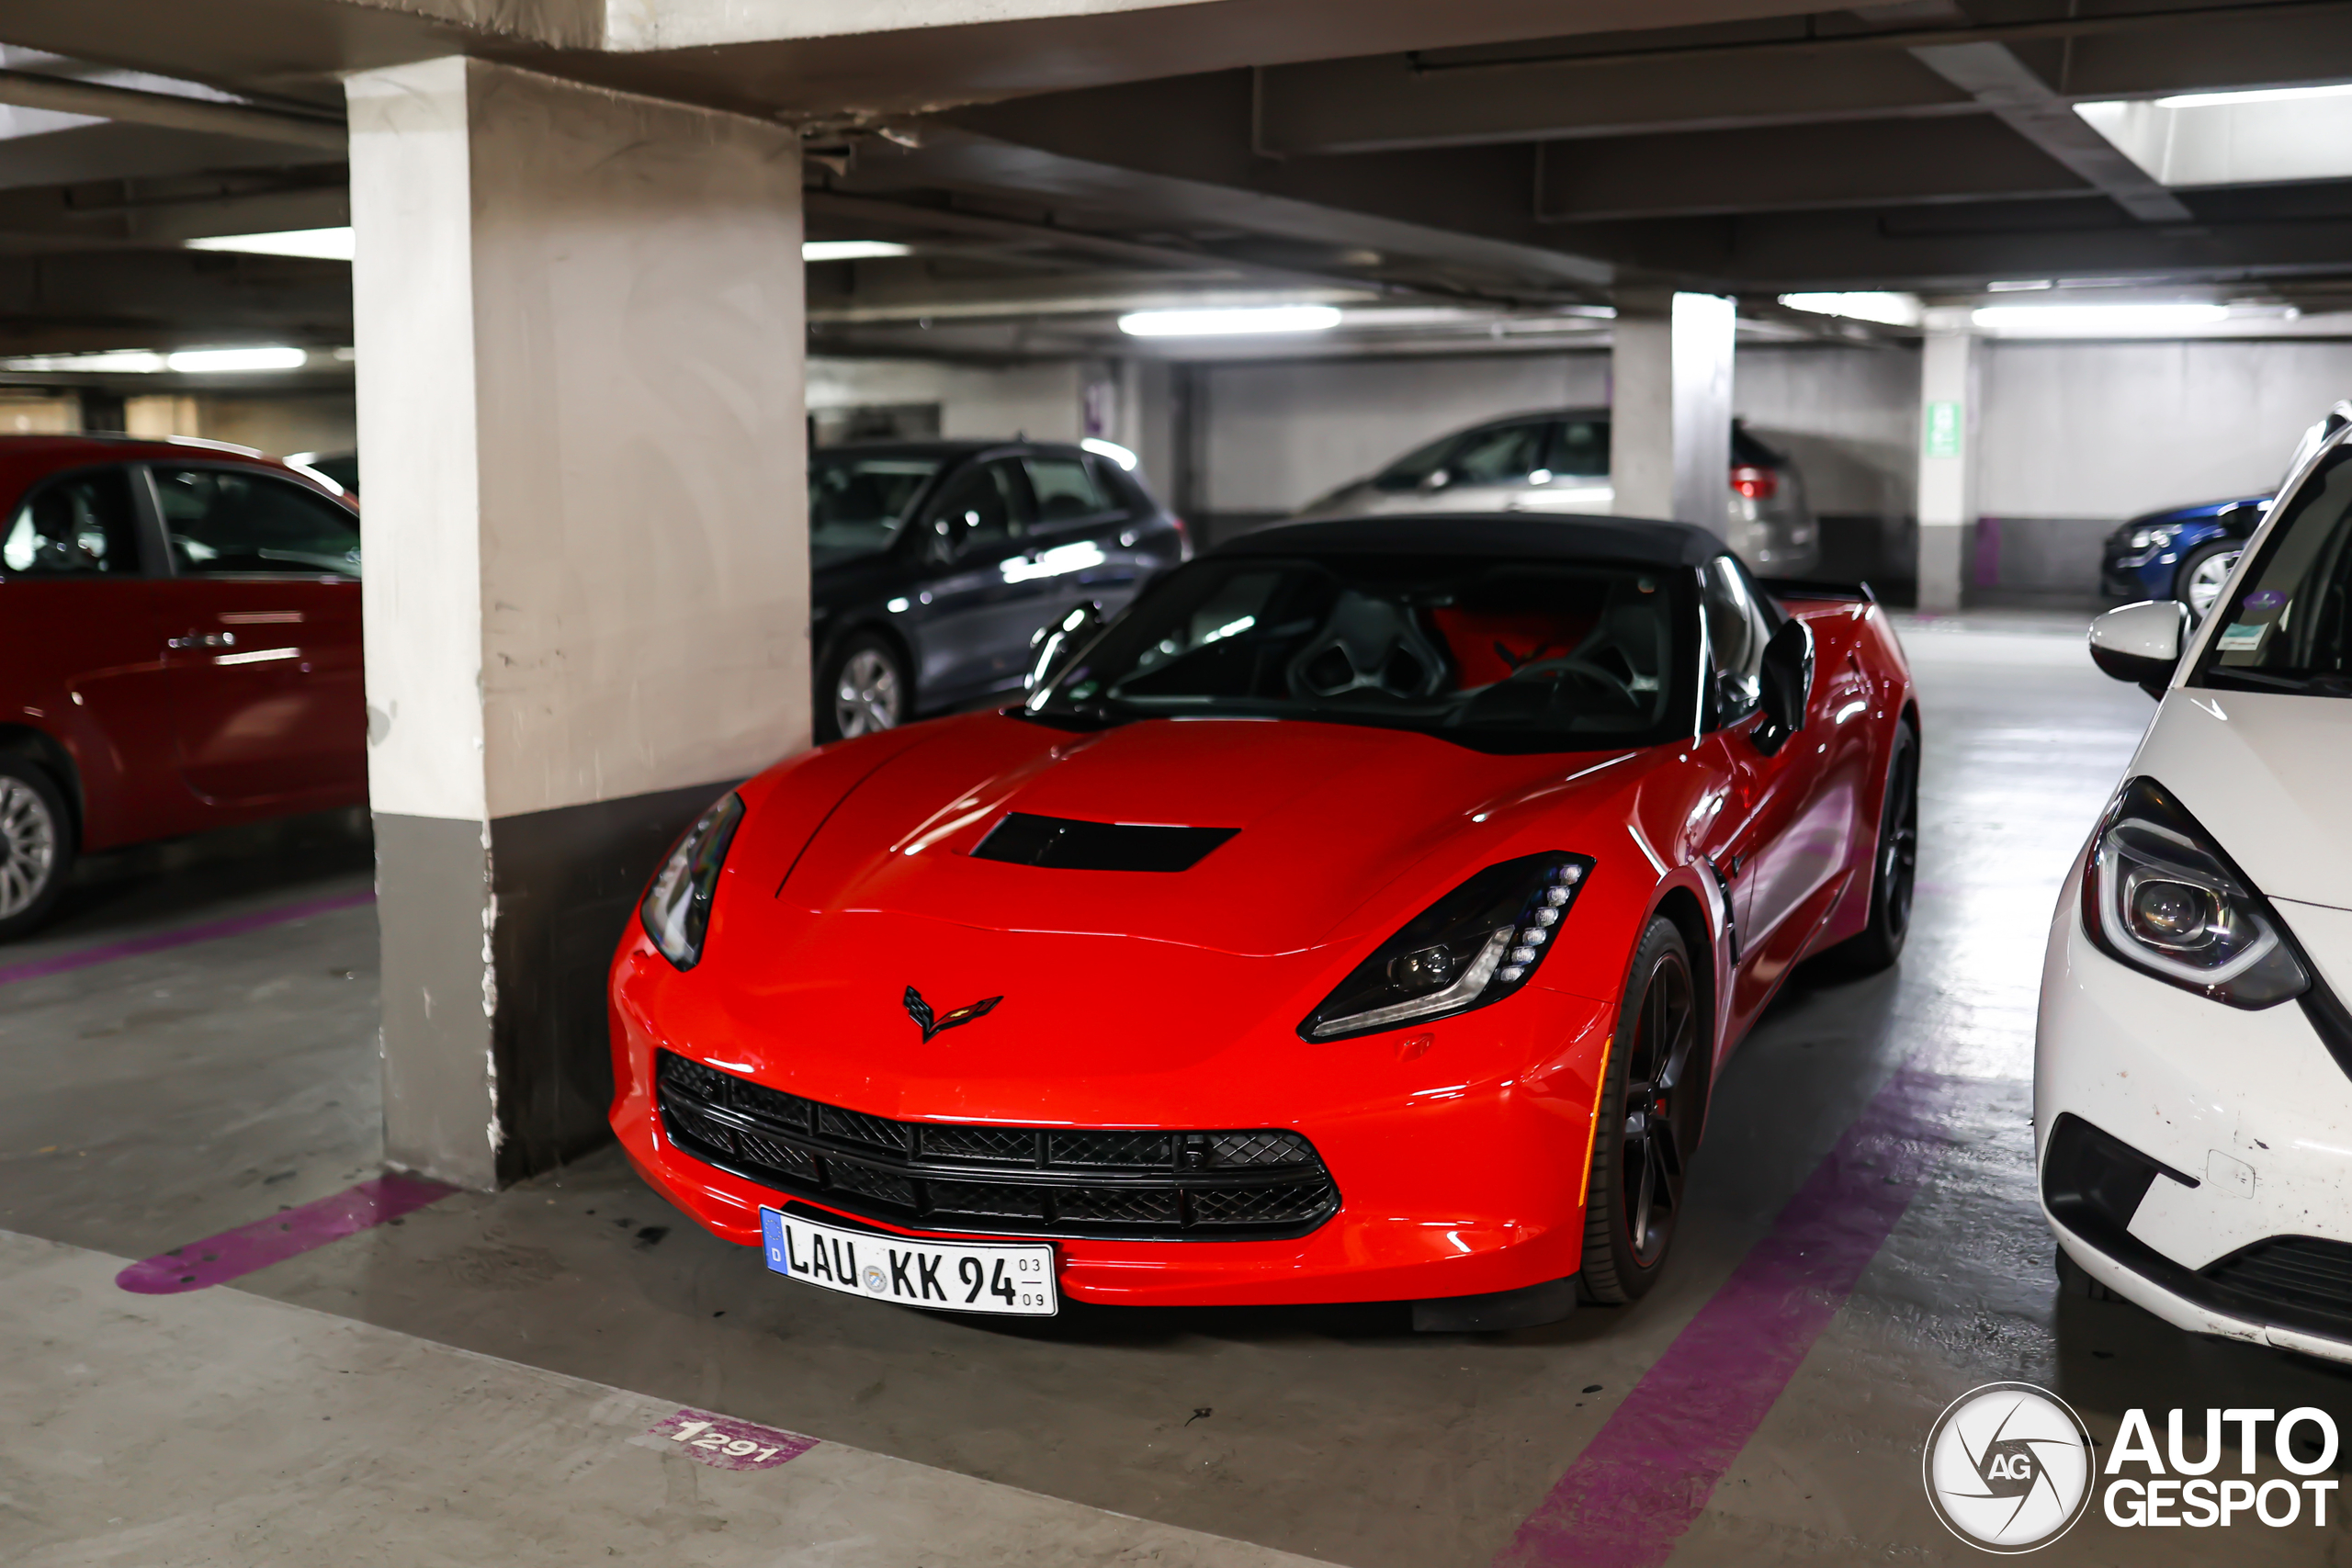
x: 219, y: 1259
x: 1650, y: 1469
x: 158, y: 941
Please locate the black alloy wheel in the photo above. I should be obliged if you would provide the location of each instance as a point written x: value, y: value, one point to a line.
x: 36, y: 846
x: 865, y: 689
x: 1651, y: 1108
x: 1894, y: 870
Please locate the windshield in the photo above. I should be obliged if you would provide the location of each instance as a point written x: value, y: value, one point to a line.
x: 1498, y: 655
x: 2288, y: 626
x: 858, y: 503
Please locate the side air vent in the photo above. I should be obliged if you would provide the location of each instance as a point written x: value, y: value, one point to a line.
x: 1067, y: 844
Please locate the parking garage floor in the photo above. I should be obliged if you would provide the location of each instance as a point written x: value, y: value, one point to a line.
x: 191, y: 1055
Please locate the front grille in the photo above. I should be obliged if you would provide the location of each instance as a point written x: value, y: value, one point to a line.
x: 2291, y: 1276
x: 1225, y: 1185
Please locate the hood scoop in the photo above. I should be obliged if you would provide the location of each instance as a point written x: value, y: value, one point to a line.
x: 1067, y: 844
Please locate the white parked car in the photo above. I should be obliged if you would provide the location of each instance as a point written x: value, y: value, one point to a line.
x: 2193, y: 1078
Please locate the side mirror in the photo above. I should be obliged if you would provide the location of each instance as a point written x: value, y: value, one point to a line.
x: 1785, y: 678
x: 1436, y: 478
x: 1055, y: 644
x: 2141, y: 643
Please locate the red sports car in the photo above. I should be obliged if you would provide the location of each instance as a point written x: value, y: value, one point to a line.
x: 1362, y: 915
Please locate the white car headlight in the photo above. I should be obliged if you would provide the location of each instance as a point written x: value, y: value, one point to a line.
x: 2159, y: 894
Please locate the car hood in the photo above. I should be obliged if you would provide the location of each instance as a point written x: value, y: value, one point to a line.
x: 2265, y: 773
x: 1324, y: 818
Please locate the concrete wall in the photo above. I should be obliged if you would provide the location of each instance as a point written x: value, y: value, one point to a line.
x: 275, y: 423
x: 39, y: 414
x: 1044, y: 400
x: 1277, y: 435
x: 2074, y: 437
x: 2110, y: 429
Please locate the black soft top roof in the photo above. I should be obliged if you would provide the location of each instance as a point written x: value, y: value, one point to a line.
x: 1631, y: 540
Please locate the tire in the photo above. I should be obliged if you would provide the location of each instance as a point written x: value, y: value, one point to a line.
x: 865, y: 689
x: 37, y: 844
x: 1652, y: 1103
x: 1895, y: 866
x: 2199, y: 582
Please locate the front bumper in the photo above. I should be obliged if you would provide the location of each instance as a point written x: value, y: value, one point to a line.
x: 2241, y: 1123
x: 1460, y: 1163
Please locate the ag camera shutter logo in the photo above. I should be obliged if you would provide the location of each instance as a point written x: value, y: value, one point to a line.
x: 2009, y: 1467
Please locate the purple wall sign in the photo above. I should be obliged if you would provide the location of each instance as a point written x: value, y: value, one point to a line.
x: 221, y: 1258
x: 723, y: 1442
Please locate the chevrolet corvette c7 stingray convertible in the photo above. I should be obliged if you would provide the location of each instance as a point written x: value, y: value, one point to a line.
x: 1363, y: 915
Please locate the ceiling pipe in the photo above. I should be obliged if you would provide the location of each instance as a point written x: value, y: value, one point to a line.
x: 33, y: 90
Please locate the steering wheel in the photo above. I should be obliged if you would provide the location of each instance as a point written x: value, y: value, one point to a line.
x: 1577, y: 664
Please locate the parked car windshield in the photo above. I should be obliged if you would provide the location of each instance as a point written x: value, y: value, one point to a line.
x: 1498, y: 655
x: 2288, y: 624
x: 858, y: 502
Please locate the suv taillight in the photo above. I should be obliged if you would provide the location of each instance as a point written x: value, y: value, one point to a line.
x: 1755, y: 483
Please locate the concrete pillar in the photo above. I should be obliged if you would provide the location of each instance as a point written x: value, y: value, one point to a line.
x: 1670, y: 453
x: 580, y: 381
x: 1947, y: 507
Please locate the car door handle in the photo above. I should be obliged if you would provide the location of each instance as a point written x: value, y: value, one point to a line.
x: 208, y: 639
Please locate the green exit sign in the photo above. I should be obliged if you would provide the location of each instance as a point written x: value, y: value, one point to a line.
x: 1943, y: 430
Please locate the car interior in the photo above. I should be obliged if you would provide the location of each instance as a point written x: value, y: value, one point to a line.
x: 1506, y: 644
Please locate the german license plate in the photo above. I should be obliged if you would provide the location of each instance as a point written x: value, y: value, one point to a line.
x: 1015, y: 1280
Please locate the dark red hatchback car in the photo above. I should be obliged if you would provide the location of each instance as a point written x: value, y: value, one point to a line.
x: 179, y: 649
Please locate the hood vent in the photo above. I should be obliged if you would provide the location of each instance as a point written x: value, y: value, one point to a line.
x: 1067, y: 844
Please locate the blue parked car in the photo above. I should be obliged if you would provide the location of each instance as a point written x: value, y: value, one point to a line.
x: 2185, y: 554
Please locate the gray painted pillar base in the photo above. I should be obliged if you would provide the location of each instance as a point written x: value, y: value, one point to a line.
x: 1941, y: 559
x: 496, y: 940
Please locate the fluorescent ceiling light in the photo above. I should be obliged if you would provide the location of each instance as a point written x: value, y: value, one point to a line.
x: 1893, y: 309
x: 146, y: 362
x: 323, y: 244
x: 129, y: 362
x: 1237, y: 321
x: 2254, y: 95
x: 2093, y: 321
x: 2016, y: 284
x: 1112, y: 450
x: 850, y: 250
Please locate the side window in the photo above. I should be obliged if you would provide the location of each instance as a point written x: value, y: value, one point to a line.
x: 1579, y: 449
x: 76, y: 526
x: 1066, y: 489
x: 233, y: 521
x: 1736, y: 638
x: 982, y: 513
x: 1506, y: 454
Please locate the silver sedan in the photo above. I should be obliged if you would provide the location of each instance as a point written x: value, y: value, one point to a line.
x: 1559, y: 462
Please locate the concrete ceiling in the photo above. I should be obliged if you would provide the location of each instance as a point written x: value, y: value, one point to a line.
x: 1511, y: 156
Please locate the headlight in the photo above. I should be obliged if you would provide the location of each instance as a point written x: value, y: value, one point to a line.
x: 2153, y: 538
x: 1475, y: 945
x: 676, y: 910
x: 2159, y: 894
